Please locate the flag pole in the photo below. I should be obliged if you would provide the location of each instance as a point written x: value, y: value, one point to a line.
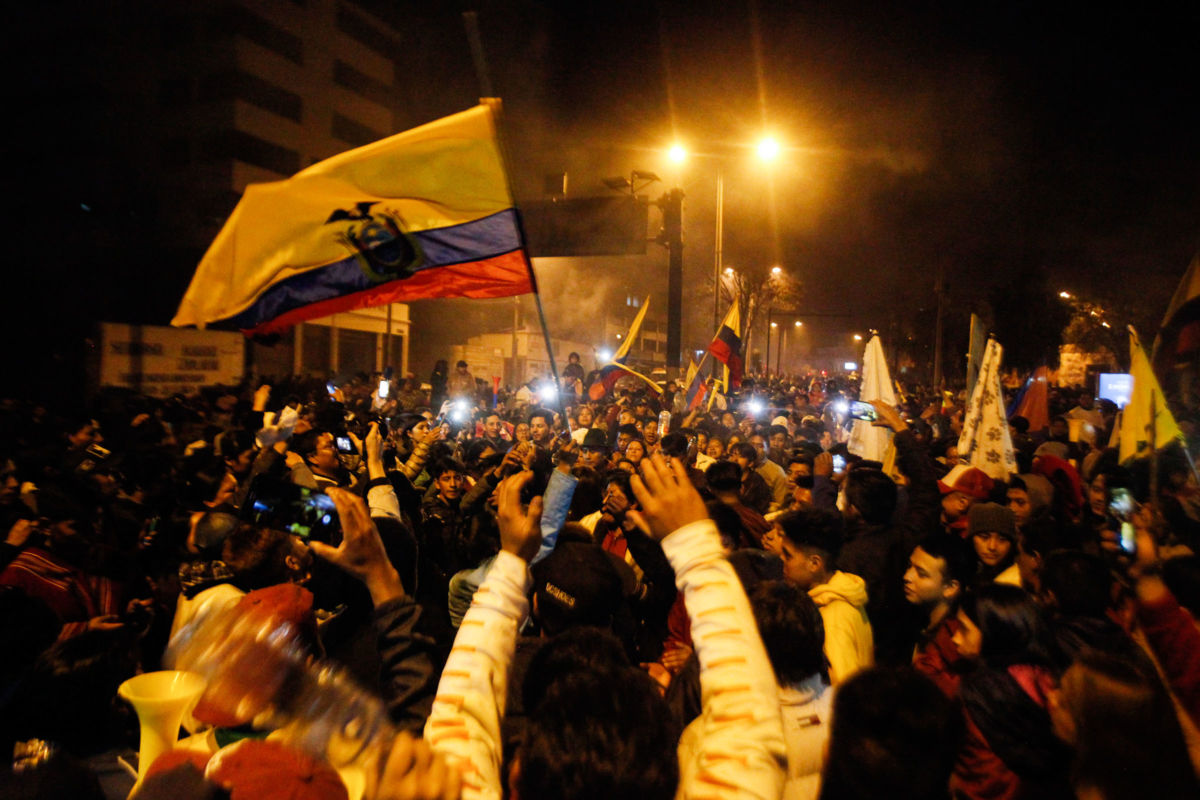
x: 471, y: 21
x: 493, y: 103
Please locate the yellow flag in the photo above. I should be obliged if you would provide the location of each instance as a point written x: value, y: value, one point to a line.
x: 1136, y: 422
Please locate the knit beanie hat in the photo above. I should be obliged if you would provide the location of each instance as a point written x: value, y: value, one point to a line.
x: 992, y: 518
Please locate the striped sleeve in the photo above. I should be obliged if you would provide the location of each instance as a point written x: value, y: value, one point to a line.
x: 740, y: 751
x: 464, y: 724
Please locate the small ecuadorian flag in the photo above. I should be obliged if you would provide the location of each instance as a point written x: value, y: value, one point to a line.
x: 424, y: 213
x: 726, y: 346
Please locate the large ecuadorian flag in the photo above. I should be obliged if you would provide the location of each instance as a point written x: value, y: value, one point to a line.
x: 424, y: 213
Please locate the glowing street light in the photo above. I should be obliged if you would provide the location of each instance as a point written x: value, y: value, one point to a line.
x: 604, y: 355
x: 776, y: 270
x: 774, y: 324
x: 768, y: 149
x: 858, y: 337
x: 1065, y: 295
x: 729, y: 272
x: 799, y: 324
x: 677, y: 153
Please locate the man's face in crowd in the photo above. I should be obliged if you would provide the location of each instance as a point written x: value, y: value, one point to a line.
x: 573, y: 358
x: 746, y: 426
x: 449, y: 485
x: 626, y: 417
x: 585, y: 417
x: 797, y: 470
x: 1098, y: 495
x: 1058, y: 429
x: 85, y: 437
x: 715, y: 449
x: 1086, y: 400
x: 955, y: 504
x: 968, y: 639
x: 462, y: 369
x: 739, y: 459
x: 778, y: 442
x: 1018, y: 502
x: 324, y: 457
x: 299, y: 560
x: 760, y: 445
x: 650, y: 431
x: 615, y: 502
x: 491, y: 426
x: 798, y: 568
x: 240, y: 464
x: 623, y: 440
x: 593, y: 457
x: 539, y: 430
x: 727, y: 420
x: 924, y: 581
x: 521, y: 432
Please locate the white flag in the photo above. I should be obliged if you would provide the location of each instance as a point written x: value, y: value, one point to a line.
x: 867, y: 440
x: 985, y: 441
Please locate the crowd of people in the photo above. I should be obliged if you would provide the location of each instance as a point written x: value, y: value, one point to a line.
x: 568, y: 597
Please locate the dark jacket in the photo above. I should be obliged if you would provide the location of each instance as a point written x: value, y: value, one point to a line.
x: 879, y: 553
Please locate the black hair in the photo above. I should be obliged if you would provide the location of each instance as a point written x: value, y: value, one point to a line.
x: 444, y: 465
x: 1010, y: 623
x: 674, y: 445
x: 622, y: 479
x: 723, y: 476
x: 894, y: 735
x: 816, y: 529
x: 745, y: 450
x: 589, y: 494
x: 257, y: 556
x: 791, y: 630
x: 599, y: 732
x: 728, y: 522
x: 1081, y: 582
x: 873, y: 493
x: 953, y: 552
x: 629, y: 429
x: 1127, y: 733
x: 544, y: 413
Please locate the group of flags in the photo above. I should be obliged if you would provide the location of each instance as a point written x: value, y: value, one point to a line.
x: 429, y: 213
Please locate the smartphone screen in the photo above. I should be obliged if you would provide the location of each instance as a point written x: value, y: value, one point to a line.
x: 1128, y: 541
x: 863, y: 411
x: 345, y: 445
x: 839, y: 463
x: 295, y: 509
x: 383, y: 388
x: 1121, y: 504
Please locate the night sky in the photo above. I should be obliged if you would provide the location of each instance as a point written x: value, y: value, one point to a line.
x: 989, y: 140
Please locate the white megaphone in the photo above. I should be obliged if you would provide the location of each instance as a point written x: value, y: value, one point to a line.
x: 160, y: 700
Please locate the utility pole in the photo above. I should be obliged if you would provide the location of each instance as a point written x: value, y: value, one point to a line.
x: 671, y: 237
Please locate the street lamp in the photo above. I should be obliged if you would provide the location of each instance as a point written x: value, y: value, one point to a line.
x: 858, y: 337
x: 768, y: 149
x: 776, y: 270
x: 677, y: 153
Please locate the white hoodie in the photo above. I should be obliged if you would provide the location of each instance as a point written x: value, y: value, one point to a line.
x: 849, y: 643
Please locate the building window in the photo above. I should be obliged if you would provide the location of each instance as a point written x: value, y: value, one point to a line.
x: 240, y: 21
x: 352, y: 131
x: 252, y: 150
x: 235, y: 85
x: 365, y: 33
x: 362, y: 84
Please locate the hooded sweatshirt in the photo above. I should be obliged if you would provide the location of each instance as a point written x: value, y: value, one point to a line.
x: 849, y: 644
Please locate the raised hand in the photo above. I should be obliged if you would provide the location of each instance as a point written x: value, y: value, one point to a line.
x: 415, y: 772
x: 520, y: 527
x: 667, y: 498
x: 361, y: 552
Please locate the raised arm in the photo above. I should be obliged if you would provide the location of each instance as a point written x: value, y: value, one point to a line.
x: 741, y: 750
